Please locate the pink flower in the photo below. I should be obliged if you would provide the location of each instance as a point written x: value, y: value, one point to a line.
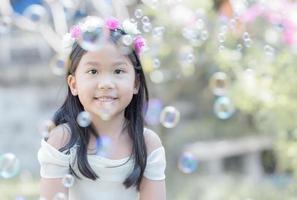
x: 75, y: 32
x: 138, y: 44
x: 112, y: 23
x: 289, y: 32
x: 252, y: 13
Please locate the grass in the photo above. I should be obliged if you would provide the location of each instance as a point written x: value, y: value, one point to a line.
x: 11, y: 189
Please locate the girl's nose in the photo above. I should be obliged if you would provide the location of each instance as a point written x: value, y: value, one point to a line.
x: 105, y: 83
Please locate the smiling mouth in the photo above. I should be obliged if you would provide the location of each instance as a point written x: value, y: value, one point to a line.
x: 105, y: 99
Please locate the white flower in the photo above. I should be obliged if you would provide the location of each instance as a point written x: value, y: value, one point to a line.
x: 130, y: 28
x: 91, y: 23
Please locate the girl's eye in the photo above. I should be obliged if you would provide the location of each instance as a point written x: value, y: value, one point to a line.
x: 118, y: 71
x: 92, y: 71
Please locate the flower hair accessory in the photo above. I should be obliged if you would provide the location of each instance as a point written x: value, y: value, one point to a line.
x: 91, y: 23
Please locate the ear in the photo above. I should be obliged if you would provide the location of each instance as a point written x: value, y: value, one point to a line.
x: 136, y: 84
x: 72, y: 84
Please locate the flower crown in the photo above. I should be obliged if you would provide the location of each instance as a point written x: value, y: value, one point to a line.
x: 92, y: 22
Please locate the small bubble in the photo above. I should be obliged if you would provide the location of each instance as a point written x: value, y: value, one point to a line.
x: 9, y: 165
x: 103, y: 144
x: 138, y: 13
x: 221, y: 37
x: 247, y: 43
x: 127, y: 40
x: 45, y: 127
x: 156, y: 63
x: 269, y: 51
x: 84, y: 119
x: 169, y: 117
x: 188, y: 33
x: 245, y: 36
x: 199, y: 24
x: 223, y: 108
x: 147, y: 27
x: 218, y: 83
x: 239, y: 47
x: 187, y: 163
x: 190, y: 58
x: 145, y: 20
x: 232, y: 23
x: 58, y: 65
x: 68, y: 180
x: 158, y: 32
x: 60, y: 196
x: 133, y: 21
x: 204, y: 35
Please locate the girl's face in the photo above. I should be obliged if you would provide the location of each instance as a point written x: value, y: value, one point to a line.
x: 104, y: 81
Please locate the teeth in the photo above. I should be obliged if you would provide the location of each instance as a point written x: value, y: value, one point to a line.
x: 105, y: 98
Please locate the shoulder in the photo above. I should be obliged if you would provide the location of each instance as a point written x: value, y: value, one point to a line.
x: 152, y: 140
x: 59, y: 136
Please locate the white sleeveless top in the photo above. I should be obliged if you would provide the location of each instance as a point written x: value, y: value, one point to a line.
x: 109, y: 185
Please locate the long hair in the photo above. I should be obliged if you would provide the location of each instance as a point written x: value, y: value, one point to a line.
x: 134, y: 116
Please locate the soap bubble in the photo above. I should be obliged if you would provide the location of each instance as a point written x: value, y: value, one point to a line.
x: 9, y: 165
x: 204, y: 35
x: 84, y: 119
x: 247, y: 43
x: 187, y: 163
x: 147, y: 27
x: 127, y: 40
x: 218, y: 83
x: 138, y: 13
x: 223, y: 108
x: 145, y: 20
x: 58, y: 65
x: 103, y: 144
x: 269, y: 51
x: 245, y: 36
x: 45, y: 127
x: 156, y: 63
x: 68, y: 180
x: 169, y: 117
x: 93, y: 40
x: 60, y: 196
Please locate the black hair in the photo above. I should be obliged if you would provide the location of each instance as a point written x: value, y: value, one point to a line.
x: 134, y: 119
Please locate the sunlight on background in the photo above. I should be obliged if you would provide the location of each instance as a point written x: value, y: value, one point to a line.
x: 221, y: 76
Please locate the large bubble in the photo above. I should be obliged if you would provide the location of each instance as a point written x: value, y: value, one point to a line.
x: 9, y: 165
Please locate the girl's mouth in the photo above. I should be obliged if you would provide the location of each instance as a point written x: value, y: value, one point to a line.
x: 105, y: 99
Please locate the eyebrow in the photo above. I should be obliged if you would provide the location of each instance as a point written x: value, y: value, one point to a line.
x: 97, y: 64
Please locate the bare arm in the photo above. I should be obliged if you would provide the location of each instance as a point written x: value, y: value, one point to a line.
x: 49, y: 187
x: 152, y: 190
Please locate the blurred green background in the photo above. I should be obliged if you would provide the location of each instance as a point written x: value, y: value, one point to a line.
x: 221, y: 76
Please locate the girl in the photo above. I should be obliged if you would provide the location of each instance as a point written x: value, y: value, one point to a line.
x: 110, y: 87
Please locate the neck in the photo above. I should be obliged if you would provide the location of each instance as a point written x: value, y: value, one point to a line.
x: 112, y: 128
